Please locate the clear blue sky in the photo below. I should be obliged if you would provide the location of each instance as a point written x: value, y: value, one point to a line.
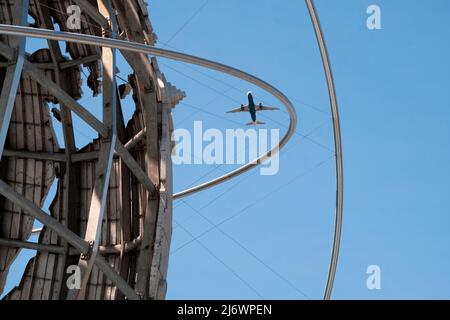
x: 392, y: 86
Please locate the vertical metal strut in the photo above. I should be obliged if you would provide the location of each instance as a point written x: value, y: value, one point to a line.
x: 106, y: 156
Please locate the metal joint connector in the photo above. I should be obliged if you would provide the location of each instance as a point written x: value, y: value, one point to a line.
x: 88, y: 254
x: 14, y: 57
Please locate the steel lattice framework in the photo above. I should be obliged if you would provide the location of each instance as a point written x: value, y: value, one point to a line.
x: 112, y: 213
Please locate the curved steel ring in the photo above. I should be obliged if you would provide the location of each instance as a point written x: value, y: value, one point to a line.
x: 338, y: 148
x: 142, y: 48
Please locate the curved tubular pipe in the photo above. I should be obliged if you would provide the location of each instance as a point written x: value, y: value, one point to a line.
x: 142, y: 48
x: 338, y: 148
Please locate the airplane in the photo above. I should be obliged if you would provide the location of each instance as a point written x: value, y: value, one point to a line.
x: 252, y: 109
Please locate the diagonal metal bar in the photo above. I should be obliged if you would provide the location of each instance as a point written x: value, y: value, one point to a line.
x: 133, y: 142
x: 65, y: 98
x: 13, y: 72
x: 106, y: 156
x: 68, y: 235
x: 78, y: 62
x: 57, y: 157
x: 129, y: 145
x: 28, y: 206
x: 135, y: 168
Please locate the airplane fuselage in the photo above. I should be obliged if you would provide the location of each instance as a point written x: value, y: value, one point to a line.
x: 251, y: 106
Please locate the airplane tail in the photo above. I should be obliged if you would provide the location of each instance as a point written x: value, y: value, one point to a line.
x: 255, y: 123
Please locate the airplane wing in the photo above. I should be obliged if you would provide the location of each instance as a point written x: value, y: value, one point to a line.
x: 264, y: 108
x: 240, y: 109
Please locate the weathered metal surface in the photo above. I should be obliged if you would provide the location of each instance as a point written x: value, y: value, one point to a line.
x: 105, y: 159
x: 168, y: 96
x: 124, y: 225
x: 13, y: 72
x: 30, y: 130
x: 58, y: 11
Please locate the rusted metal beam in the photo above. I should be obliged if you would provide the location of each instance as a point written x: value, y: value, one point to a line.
x: 85, y: 156
x: 13, y: 72
x: 58, y: 157
x: 32, y: 246
x: 44, y: 65
x: 78, y: 62
x: 103, y: 250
